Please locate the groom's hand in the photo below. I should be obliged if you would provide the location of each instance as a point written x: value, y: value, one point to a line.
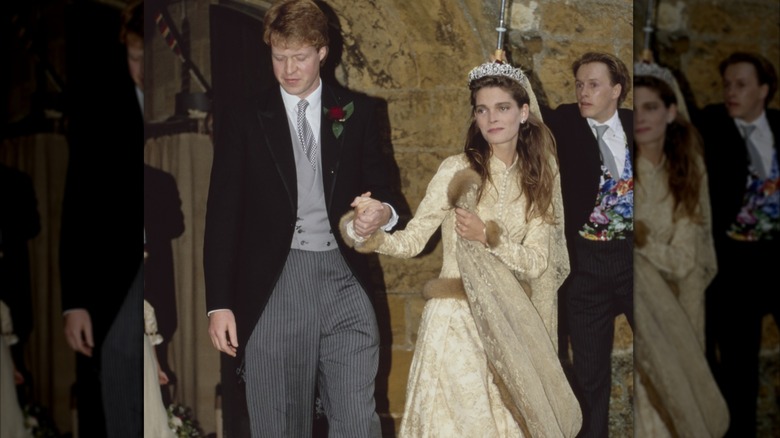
x: 370, y: 214
x: 78, y: 331
x: 222, y: 329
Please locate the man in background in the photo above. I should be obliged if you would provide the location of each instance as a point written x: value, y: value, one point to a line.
x: 101, y: 245
x: 740, y: 140
x: 595, y: 144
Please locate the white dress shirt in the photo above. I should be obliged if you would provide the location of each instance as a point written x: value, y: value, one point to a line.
x: 761, y: 137
x: 615, y: 138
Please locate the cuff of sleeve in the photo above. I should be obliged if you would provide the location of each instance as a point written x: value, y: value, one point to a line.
x: 210, y: 312
x: 360, y: 244
x: 393, y: 221
x: 349, y: 228
x: 155, y: 338
x: 492, y: 234
x: 10, y: 338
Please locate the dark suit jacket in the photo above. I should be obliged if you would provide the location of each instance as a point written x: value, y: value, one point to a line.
x: 580, y: 163
x: 163, y: 222
x: 19, y: 222
x: 727, y: 160
x: 252, y: 203
x: 101, y: 239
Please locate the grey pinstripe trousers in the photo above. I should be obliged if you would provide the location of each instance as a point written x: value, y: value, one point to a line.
x: 319, y: 328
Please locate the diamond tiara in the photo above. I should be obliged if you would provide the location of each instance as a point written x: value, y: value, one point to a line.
x: 655, y: 70
x: 496, y: 68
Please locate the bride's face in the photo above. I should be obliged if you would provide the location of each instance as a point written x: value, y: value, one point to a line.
x: 651, y: 117
x: 498, y: 116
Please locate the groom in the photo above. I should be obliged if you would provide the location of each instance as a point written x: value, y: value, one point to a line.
x: 288, y: 303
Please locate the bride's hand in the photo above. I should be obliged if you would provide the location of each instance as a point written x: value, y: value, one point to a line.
x: 18, y: 377
x: 370, y: 214
x: 161, y: 376
x: 469, y: 226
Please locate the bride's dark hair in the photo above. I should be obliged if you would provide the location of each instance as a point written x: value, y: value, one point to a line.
x: 535, y: 149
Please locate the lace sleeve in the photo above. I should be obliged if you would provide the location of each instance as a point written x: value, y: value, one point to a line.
x: 150, y: 324
x: 430, y: 214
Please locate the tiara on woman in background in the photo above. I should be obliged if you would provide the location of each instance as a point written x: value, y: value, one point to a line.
x: 643, y: 68
x: 496, y: 68
x: 650, y: 68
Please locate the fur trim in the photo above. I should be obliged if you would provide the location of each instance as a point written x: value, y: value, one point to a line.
x: 462, y: 182
x: 373, y: 243
x: 370, y: 245
x: 347, y: 218
x: 444, y: 288
x: 492, y: 233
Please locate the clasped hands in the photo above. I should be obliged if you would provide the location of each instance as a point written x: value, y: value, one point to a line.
x: 370, y: 214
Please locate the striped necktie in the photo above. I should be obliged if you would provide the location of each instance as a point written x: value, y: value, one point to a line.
x: 755, y: 157
x: 606, y: 155
x: 305, y: 135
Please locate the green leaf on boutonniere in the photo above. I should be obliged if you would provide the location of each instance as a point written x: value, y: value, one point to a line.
x: 338, y: 127
x: 348, y: 110
x: 339, y: 115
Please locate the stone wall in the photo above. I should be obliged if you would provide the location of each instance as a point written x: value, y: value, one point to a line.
x: 415, y: 56
x: 691, y: 37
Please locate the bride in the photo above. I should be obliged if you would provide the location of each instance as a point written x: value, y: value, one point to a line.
x: 485, y: 362
x: 674, y: 260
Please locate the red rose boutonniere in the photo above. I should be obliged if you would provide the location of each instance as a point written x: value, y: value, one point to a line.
x: 339, y: 115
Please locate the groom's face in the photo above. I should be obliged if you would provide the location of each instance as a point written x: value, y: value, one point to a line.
x: 297, y: 67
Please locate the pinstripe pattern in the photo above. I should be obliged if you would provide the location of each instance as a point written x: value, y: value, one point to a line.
x: 121, y: 368
x: 600, y: 289
x: 305, y: 134
x: 318, y: 328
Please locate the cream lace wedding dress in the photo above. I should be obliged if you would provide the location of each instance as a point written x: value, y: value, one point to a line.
x: 675, y: 393
x: 485, y: 363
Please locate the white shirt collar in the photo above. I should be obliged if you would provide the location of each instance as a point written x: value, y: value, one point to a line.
x: 761, y: 123
x: 613, y: 123
x: 314, y: 99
